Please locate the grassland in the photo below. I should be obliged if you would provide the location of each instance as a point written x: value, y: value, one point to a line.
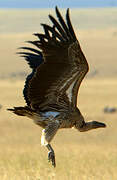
x: 96, y: 30
x: 83, y: 156
x: 79, y: 156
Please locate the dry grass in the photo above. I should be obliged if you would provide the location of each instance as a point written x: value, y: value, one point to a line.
x: 83, y: 156
x: 79, y: 156
x: 96, y: 30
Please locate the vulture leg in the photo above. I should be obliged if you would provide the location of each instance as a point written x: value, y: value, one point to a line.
x: 51, y: 155
x: 47, y: 135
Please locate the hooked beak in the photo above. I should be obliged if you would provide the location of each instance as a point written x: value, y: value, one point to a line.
x: 98, y: 124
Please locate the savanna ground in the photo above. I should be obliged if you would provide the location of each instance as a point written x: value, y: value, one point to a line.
x: 79, y: 156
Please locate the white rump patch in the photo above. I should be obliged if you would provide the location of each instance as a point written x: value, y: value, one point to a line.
x: 50, y: 114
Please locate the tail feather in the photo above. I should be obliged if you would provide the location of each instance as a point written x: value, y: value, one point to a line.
x: 22, y: 111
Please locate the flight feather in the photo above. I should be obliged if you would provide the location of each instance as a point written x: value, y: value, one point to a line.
x: 59, y: 67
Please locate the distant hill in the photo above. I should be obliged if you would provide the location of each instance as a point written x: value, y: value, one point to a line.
x: 53, y: 3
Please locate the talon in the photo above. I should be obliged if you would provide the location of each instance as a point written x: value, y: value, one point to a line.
x: 51, y: 158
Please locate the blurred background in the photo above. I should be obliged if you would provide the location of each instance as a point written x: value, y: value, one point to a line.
x: 95, y: 23
x: 61, y: 3
x: 79, y: 156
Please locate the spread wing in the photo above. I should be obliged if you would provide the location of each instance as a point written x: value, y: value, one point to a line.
x: 34, y: 58
x: 56, y: 81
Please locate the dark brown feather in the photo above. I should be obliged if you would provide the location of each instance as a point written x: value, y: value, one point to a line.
x: 56, y: 81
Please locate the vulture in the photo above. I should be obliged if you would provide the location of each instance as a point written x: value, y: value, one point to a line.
x: 50, y: 91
